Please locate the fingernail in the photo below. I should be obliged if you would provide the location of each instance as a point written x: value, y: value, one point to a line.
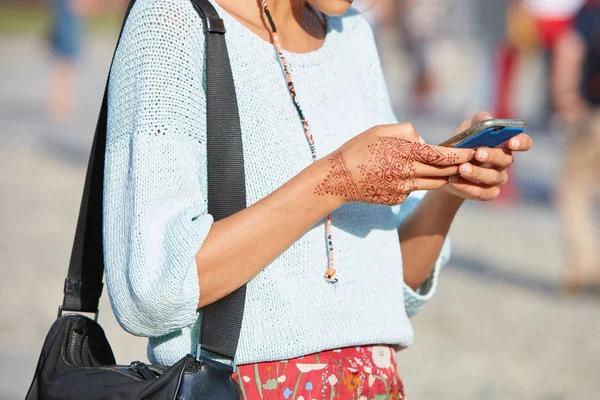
x: 453, y: 179
x: 466, y: 168
x: 487, y: 115
x: 514, y: 143
x: 483, y: 154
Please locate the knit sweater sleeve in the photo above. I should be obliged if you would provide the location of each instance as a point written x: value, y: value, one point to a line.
x: 414, y: 300
x: 155, y: 203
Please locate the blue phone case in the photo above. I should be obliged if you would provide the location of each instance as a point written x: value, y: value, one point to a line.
x: 490, y: 137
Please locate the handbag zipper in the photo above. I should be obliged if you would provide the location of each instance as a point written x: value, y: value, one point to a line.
x: 143, y: 369
x: 147, y: 372
x: 157, y: 370
x: 73, y: 344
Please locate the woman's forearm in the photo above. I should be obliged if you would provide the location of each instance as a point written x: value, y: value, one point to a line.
x: 423, y: 232
x: 237, y: 248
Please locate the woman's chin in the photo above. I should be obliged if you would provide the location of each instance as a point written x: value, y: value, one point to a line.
x: 333, y: 8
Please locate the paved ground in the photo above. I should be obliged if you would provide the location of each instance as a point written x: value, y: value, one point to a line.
x: 498, y: 328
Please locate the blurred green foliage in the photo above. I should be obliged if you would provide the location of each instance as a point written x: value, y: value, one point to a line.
x: 35, y: 20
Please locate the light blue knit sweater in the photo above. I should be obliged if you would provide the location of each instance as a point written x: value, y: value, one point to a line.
x: 155, y: 204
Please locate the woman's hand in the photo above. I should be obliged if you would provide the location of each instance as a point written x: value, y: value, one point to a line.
x: 386, y: 163
x: 482, y: 178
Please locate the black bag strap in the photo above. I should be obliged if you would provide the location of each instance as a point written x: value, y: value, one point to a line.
x: 222, y: 320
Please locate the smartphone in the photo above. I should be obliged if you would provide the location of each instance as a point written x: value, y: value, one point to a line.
x: 490, y: 133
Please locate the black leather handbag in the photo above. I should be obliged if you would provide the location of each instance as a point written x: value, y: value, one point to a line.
x: 76, y: 360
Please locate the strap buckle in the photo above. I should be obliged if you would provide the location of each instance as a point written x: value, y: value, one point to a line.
x: 61, y: 309
x: 214, y: 25
x: 215, y: 357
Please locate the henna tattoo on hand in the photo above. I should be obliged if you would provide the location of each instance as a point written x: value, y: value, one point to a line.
x: 386, y: 178
x: 339, y: 181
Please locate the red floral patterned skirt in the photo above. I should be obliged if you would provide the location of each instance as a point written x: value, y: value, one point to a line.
x: 353, y: 373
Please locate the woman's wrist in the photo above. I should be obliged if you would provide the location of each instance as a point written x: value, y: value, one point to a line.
x: 312, y: 177
x: 446, y: 199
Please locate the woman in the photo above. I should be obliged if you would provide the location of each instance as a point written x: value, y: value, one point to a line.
x: 324, y: 157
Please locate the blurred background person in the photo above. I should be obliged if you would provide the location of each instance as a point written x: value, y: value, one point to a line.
x: 576, y: 89
x: 66, y: 34
x: 420, y: 22
x: 531, y: 25
x: 409, y: 28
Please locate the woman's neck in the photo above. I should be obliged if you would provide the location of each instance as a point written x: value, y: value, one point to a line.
x: 299, y: 28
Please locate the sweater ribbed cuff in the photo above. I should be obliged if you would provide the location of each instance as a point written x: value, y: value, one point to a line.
x: 415, y: 300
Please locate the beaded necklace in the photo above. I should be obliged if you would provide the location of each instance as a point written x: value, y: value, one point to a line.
x: 331, y: 272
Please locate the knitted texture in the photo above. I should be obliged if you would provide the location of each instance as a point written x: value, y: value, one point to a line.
x: 155, y: 202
